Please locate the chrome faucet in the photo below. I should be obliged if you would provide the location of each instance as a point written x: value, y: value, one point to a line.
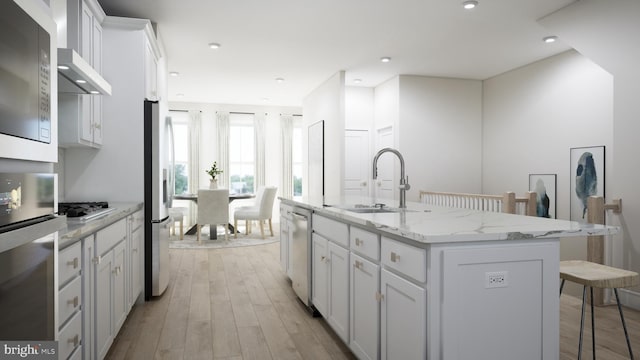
x: 404, y: 181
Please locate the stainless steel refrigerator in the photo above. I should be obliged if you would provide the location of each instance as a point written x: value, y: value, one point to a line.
x: 158, y: 193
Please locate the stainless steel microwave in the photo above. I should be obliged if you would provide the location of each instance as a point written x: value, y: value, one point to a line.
x: 25, y: 75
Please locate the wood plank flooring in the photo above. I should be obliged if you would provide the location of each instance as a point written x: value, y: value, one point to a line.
x: 236, y: 303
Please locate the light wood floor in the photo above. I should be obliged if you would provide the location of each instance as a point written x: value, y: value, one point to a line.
x: 236, y: 303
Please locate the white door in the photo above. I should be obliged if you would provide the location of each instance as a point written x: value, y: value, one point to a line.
x: 357, y: 163
x: 385, y: 183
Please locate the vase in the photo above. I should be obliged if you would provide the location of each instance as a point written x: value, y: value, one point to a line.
x: 213, y: 184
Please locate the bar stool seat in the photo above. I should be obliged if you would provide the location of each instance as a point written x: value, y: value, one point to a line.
x: 593, y: 275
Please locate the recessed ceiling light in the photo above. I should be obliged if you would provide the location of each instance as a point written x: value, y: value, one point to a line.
x: 214, y: 45
x: 550, y: 39
x: 385, y: 59
x: 63, y: 67
x: 94, y: 92
x: 179, y: 94
x: 280, y: 80
x: 357, y: 81
x: 265, y: 99
x: 80, y: 81
x: 174, y: 73
x: 469, y: 4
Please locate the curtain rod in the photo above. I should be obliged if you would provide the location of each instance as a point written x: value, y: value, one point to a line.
x: 241, y: 113
x: 291, y: 114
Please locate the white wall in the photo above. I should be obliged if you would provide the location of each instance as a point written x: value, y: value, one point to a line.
x: 327, y: 102
x: 606, y: 32
x: 534, y: 115
x: 440, y: 133
x: 359, y: 108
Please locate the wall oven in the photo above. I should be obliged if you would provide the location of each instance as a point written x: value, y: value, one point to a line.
x: 28, y: 257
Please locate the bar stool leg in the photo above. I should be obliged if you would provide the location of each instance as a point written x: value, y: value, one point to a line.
x: 584, y: 298
x: 593, y: 328
x: 624, y: 326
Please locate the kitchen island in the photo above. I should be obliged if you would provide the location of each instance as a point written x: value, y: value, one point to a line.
x: 430, y: 282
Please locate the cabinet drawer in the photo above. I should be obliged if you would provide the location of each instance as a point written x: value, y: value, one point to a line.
x: 365, y: 243
x: 70, y: 337
x: 69, y: 299
x: 406, y: 259
x: 108, y: 237
x: 137, y: 220
x: 69, y: 263
x: 331, y: 229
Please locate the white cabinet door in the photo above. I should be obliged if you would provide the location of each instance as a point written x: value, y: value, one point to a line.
x: 364, y: 308
x: 151, y: 73
x: 137, y: 242
x: 88, y: 287
x: 319, y: 290
x: 120, y: 273
x: 103, y: 299
x: 403, y: 318
x: 338, y: 266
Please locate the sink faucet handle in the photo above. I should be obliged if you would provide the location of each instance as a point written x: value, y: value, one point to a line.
x: 404, y: 184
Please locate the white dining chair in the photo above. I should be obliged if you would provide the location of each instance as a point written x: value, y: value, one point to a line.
x: 260, y: 211
x: 177, y: 215
x: 213, y: 209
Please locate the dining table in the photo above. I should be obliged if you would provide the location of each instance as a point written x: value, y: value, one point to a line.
x: 194, y: 197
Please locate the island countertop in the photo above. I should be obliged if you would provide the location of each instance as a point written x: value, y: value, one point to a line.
x: 434, y: 224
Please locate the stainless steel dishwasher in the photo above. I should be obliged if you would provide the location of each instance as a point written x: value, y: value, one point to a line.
x: 300, y: 235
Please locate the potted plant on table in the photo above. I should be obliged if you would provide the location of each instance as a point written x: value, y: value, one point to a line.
x: 213, y: 172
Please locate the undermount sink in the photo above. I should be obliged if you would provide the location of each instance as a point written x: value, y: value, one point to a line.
x: 370, y: 209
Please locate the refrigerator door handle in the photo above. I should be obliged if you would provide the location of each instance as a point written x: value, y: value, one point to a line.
x: 165, y: 219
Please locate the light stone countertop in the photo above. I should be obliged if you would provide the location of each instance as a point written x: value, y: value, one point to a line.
x: 76, y: 231
x: 433, y: 224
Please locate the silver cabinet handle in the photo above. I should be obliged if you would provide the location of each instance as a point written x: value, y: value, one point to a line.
x: 73, y: 263
x: 358, y: 242
x: 379, y: 296
x: 358, y: 265
x: 74, y: 340
x: 74, y: 301
x: 97, y: 260
x: 395, y: 257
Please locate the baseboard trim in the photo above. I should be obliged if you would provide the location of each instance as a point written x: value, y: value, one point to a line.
x: 628, y: 298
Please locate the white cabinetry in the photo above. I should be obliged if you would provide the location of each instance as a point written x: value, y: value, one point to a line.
x: 330, y: 268
x: 70, y: 301
x: 285, y: 238
x: 110, y: 291
x: 80, y: 116
x: 151, y: 72
x: 403, y: 318
x: 364, y: 308
x: 135, y: 239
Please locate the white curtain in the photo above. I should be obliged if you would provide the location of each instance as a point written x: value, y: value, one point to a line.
x: 222, y: 120
x: 259, y: 131
x: 286, y: 124
x: 195, y: 120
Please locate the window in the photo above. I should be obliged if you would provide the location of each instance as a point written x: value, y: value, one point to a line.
x: 180, y: 122
x: 296, y: 156
x: 241, y: 153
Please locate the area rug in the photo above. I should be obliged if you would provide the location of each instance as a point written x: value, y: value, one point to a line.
x: 190, y: 241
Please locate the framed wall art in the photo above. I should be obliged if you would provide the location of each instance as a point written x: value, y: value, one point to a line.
x: 544, y: 185
x: 587, y: 179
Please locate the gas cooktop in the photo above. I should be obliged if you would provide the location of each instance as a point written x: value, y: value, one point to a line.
x: 83, y: 211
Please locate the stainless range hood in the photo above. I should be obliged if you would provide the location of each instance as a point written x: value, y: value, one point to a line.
x: 76, y: 76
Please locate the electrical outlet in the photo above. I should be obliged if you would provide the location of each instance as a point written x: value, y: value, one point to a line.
x: 496, y: 279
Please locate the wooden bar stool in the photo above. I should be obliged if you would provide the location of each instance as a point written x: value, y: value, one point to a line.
x: 600, y: 276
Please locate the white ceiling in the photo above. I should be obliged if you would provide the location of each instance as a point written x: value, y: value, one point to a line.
x: 305, y: 42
